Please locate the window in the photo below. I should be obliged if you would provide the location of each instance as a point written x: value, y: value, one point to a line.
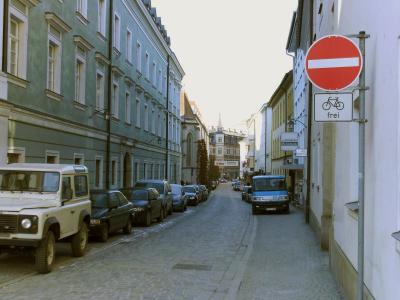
x: 80, y: 75
x: 189, y: 150
x: 54, y: 60
x: 165, y: 86
x: 147, y: 62
x: 52, y: 157
x: 81, y: 7
x: 146, y: 118
x: 135, y: 172
x: 139, y: 57
x: 113, y: 172
x: 81, y: 186
x: 66, y: 188
x: 117, y: 32
x: 115, y: 101
x: 99, y: 90
x: 145, y: 171
x: 101, y: 26
x: 79, y: 159
x: 154, y: 74
x: 159, y: 125
x: 159, y: 80
x: 153, y: 122
x: 99, y: 172
x: 138, y: 113
x: 129, y: 45
x: 127, y: 108
x: 17, y: 45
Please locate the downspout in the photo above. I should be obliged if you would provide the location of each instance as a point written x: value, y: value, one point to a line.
x: 108, y: 111
x: 265, y: 140
x: 309, y: 132
x: 5, y: 36
x: 167, y: 123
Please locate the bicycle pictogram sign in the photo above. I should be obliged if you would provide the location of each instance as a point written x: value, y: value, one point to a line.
x: 333, y: 102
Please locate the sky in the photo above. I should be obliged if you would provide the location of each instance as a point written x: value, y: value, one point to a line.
x: 233, y: 53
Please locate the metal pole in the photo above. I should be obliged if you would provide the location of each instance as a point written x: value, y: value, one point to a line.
x: 361, y: 178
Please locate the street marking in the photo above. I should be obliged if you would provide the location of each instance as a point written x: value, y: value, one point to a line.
x: 333, y: 63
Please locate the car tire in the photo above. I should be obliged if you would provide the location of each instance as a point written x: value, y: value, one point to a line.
x: 45, y: 254
x: 104, y: 233
x: 128, y: 227
x: 148, y: 220
x: 80, y: 241
x: 161, y: 217
x: 254, y: 211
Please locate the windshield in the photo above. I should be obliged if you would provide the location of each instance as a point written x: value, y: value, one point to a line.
x: 29, y: 181
x: 189, y: 189
x: 139, y: 195
x: 99, y: 200
x: 269, y: 184
x: 145, y: 185
x: 176, y: 189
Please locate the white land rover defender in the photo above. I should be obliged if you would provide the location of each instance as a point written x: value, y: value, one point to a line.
x: 41, y: 204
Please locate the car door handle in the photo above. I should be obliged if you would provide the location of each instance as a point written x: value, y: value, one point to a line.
x: 72, y: 211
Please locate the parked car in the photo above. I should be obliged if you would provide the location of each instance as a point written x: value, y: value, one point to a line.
x: 163, y: 188
x: 246, y: 195
x: 42, y: 204
x: 213, y: 185
x: 237, y: 186
x: 179, y: 198
x: 147, y: 205
x: 111, y: 212
x: 204, y: 191
x: 191, y: 194
x: 269, y: 194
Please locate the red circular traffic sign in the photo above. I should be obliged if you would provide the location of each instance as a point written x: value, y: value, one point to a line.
x: 333, y: 63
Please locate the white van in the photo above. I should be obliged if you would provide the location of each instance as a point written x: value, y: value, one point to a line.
x: 41, y: 204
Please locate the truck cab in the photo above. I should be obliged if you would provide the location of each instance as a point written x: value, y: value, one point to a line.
x: 269, y: 193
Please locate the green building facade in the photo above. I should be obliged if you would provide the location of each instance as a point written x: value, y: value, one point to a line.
x: 66, y: 98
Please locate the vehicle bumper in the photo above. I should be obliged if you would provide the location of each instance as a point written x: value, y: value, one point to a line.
x: 192, y: 201
x: 178, y: 205
x: 140, y: 215
x: 6, y: 243
x: 270, y: 205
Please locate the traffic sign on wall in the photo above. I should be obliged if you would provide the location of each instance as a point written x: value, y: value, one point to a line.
x: 333, y: 107
x: 333, y: 63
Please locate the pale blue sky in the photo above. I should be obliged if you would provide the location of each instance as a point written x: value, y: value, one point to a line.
x: 233, y: 52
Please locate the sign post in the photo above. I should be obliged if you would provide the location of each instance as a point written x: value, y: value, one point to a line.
x: 333, y: 63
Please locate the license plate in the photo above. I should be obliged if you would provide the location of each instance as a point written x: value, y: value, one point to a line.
x: 271, y: 209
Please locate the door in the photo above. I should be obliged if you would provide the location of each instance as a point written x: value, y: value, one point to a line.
x: 155, y: 203
x: 124, y: 209
x: 115, y: 219
x: 127, y: 180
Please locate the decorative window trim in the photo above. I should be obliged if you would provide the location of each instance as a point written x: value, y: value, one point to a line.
x: 79, y: 156
x: 82, y: 43
x: 100, y: 58
x: 53, y: 153
x: 57, y: 22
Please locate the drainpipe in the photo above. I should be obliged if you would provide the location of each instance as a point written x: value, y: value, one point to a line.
x: 309, y: 132
x: 5, y: 36
x: 167, y: 123
x: 108, y: 110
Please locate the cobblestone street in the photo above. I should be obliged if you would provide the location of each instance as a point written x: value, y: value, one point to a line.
x: 215, y: 251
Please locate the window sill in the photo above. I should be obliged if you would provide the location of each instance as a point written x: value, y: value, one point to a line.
x: 115, y: 119
x: 129, y: 62
x: 138, y: 126
x: 82, y: 18
x: 18, y: 81
x: 128, y: 124
x: 53, y: 95
x: 396, y: 235
x: 101, y: 36
x: 116, y: 51
x: 353, y: 209
x: 79, y: 105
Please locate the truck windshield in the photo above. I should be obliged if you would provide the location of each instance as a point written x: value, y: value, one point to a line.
x: 29, y: 181
x: 269, y: 184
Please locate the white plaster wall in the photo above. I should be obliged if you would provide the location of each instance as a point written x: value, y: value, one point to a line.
x: 382, y: 258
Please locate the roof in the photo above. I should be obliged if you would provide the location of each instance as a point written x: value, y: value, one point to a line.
x: 269, y: 176
x: 287, y: 79
x: 62, y: 168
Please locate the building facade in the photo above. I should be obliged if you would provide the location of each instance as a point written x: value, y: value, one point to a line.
x: 225, y: 150
x: 81, y: 92
x: 193, y: 131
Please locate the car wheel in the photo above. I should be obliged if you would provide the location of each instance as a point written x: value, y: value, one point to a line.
x: 45, y: 254
x: 104, y: 233
x: 128, y: 227
x: 80, y: 241
x: 147, y: 222
x: 254, y: 211
x: 161, y: 218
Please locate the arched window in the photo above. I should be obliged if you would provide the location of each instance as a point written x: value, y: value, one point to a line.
x: 189, y: 150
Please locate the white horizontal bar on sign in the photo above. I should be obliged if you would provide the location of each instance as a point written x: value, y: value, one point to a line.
x: 334, y: 63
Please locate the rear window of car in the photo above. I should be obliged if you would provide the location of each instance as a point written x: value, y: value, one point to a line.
x: 189, y: 189
x: 99, y: 200
x: 139, y: 195
x: 145, y: 185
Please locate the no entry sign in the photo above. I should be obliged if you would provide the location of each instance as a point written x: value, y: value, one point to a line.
x: 333, y: 63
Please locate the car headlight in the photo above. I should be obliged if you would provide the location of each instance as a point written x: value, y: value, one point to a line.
x: 284, y: 198
x: 95, y: 221
x: 26, y: 223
